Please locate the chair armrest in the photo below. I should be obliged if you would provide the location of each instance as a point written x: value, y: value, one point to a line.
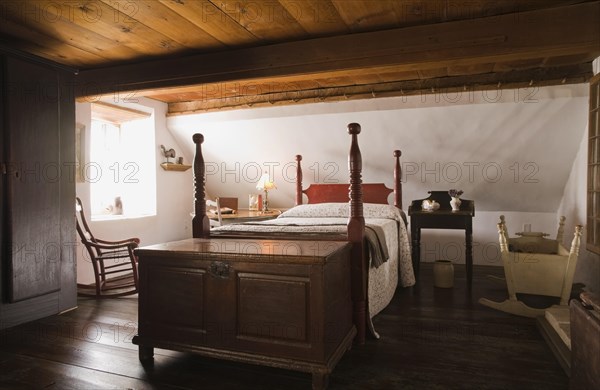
x: 113, y: 245
x: 133, y: 240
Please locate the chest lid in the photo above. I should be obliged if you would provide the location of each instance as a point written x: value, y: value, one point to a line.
x: 296, y: 251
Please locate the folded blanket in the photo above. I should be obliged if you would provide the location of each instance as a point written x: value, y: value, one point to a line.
x: 377, y: 249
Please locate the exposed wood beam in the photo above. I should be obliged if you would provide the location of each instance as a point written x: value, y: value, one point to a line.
x: 116, y: 114
x: 448, y: 88
x: 549, y: 32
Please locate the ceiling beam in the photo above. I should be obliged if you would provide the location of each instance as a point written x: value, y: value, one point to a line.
x: 549, y: 32
x: 444, y: 88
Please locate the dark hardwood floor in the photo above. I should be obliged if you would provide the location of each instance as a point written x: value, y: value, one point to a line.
x: 430, y: 339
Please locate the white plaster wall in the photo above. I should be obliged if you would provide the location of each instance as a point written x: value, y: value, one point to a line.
x: 439, y: 135
x: 511, y: 151
x: 174, y: 194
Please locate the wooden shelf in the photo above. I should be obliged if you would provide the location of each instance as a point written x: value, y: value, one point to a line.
x: 175, y: 167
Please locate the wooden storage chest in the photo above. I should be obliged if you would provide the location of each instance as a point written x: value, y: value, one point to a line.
x: 279, y: 303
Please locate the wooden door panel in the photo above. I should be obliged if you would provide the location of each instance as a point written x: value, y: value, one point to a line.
x: 174, y: 299
x: 273, y: 308
x: 279, y: 308
x: 33, y: 181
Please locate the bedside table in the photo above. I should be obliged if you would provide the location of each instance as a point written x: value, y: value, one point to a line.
x: 443, y: 218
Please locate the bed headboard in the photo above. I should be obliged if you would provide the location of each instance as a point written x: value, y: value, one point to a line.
x: 338, y: 193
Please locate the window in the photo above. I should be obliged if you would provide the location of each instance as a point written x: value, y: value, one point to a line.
x: 593, y: 187
x: 121, y: 171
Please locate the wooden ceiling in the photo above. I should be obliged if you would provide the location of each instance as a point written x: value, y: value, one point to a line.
x: 201, y: 55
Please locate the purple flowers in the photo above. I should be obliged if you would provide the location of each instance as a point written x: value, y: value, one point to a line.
x: 455, y: 193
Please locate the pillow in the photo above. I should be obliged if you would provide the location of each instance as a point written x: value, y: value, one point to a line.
x: 342, y: 210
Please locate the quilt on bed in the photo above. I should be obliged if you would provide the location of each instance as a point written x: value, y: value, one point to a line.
x: 385, y: 231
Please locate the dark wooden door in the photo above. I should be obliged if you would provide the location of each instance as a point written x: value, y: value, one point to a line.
x: 37, y: 188
x: 33, y: 180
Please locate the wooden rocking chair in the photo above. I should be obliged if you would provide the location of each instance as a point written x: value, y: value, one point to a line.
x: 535, y: 265
x: 114, y: 262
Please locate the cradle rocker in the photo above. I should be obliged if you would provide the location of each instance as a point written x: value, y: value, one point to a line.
x: 535, y: 265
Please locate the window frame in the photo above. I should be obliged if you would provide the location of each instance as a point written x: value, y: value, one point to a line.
x: 593, y: 169
x: 117, y: 116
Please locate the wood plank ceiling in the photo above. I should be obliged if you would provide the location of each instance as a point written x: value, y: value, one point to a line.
x: 201, y: 55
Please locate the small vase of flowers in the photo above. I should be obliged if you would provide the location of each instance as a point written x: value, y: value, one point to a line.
x: 455, y: 201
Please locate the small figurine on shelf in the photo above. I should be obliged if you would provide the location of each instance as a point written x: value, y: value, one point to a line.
x: 176, y: 165
x: 455, y: 201
x: 168, y: 153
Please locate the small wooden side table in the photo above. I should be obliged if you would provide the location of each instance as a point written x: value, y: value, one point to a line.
x: 443, y: 218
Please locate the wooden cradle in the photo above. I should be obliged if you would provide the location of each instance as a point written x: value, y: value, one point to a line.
x: 538, y: 266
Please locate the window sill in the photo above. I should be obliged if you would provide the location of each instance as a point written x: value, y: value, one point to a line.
x: 102, y: 217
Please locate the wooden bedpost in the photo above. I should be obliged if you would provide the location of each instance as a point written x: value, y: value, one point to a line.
x: 356, y: 228
x: 200, y: 222
x: 397, y: 180
x: 298, y: 180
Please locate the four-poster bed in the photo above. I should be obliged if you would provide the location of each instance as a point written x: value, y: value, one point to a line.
x: 354, y: 196
x: 287, y: 300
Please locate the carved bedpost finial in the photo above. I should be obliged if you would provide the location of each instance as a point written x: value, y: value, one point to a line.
x: 200, y: 222
x: 355, y: 168
x: 354, y: 128
x: 561, y: 229
x: 502, y: 235
x: 397, y: 180
x: 576, y: 240
x: 504, y: 229
x: 198, y: 138
x: 503, y: 222
x: 298, y: 180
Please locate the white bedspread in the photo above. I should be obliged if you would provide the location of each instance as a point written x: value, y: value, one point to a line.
x: 327, y: 218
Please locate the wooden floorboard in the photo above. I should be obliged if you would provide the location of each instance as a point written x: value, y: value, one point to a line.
x: 430, y: 339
